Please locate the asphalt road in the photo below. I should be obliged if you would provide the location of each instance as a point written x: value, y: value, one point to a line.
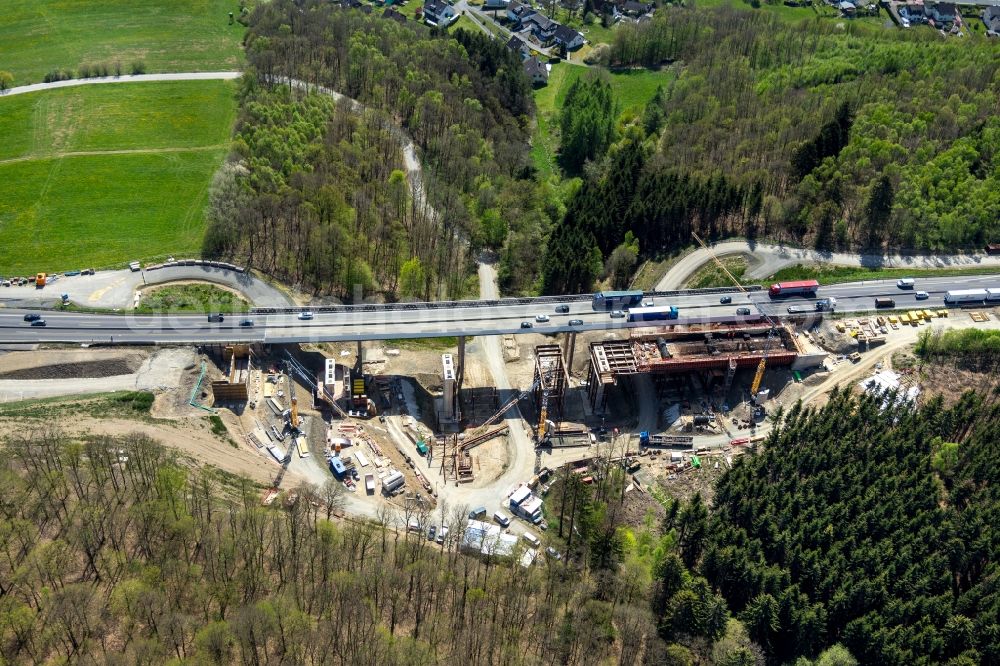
x: 475, y: 320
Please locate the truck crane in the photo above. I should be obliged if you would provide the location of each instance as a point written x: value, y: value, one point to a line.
x: 759, y: 375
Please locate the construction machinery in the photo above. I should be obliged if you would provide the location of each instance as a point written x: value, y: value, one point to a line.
x: 759, y: 375
x: 542, y: 415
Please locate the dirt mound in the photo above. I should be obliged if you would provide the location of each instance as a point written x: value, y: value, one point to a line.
x: 80, y: 370
x: 833, y: 340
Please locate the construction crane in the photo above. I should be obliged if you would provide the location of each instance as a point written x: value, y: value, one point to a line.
x: 759, y: 375
x: 303, y: 374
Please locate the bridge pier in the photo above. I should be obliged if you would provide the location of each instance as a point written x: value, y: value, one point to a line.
x: 361, y: 355
x: 571, y: 343
x: 460, y: 373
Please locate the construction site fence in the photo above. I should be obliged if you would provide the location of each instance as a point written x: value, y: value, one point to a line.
x: 501, y: 302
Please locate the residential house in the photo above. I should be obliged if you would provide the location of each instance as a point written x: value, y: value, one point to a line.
x: 495, y: 5
x: 517, y: 44
x: 633, y: 8
x: 941, y: 13
x: 991, y: 17
x: 567, y: 37
x: 517, y: 13
x: 438, y: 12
x: 847, y: 8
x: 542, y: 27
x: 536, y: 71
x: 913, y: 13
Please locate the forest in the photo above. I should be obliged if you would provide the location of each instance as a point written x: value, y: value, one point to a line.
x: 318, y: 195
x: 838, y: 138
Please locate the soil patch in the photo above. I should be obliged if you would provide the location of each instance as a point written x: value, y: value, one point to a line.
x: 80, y: 370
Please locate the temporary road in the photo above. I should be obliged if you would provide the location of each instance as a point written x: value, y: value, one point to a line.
x: 469, y: 318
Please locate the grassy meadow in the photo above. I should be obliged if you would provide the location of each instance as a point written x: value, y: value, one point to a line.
x: 100, y: 175
x: 37, y: 36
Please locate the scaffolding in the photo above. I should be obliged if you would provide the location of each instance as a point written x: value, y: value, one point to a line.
x: 549, y: 384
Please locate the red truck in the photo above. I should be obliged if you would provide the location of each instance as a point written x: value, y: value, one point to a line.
x: 798, y: 288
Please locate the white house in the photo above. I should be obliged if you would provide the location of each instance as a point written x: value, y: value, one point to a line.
x: 438, y: 12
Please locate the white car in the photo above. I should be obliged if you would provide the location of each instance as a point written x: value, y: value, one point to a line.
x: 443, y: 534
x: 922, y: 295
x: 305, y: 315
x: 542, y: 318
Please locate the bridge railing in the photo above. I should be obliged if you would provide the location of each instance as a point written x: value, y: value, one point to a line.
x: 500, y: 302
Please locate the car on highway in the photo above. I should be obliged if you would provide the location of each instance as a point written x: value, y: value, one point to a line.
x: 922, y: 295
x: 305, y: 315
x: 542, y: 318
x: 905, y: 283
x: 743, y: 311
x: 726, y: 299
x: 38, y: 322
x: 215, y: 318
x: 576, y: 322
x: 526, y: 324
x: 617, y: 314
x: 247, y: 323
x: 32, y: 316
x: 562, y: 309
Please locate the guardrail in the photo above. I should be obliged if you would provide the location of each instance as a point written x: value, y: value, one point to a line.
x: 500, y: 302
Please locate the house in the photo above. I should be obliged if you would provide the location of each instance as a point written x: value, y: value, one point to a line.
x: 488, y: 540
x: 438, y: 12
x: 495, y: 5
x: 633, y: 8
x: 393, y: 15
x: 941, y: 12
x: 517, y: 45
x: 567, y: 37
x: 541, y: 26
x: 517, y: 13
x: 847, y: 8
x: 536, y: 71
x: 991, y: 17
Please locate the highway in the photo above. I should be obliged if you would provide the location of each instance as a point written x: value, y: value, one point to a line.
x: 471, y: 318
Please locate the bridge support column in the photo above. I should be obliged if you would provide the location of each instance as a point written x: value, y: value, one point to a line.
x: 460, y: 373
x: 571, y: 343
x: 361, y: 355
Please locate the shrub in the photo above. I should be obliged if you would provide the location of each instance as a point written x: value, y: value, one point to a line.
x: 138, y: 67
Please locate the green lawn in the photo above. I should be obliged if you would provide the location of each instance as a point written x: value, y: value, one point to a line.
x: 68, y: 200
x: 120, y: 116
x: 710, y: 275
x: 173, y: 298
x: 37, y: 36
x: 632, y: 88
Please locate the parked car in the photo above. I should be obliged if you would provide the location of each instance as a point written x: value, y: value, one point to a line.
x: 432, y: 532
x: 576, y: 322
x: 502, y: 518
x: 553, y: 553
x: 562, y: 309
x: 38, y: 322
x: 617, y: 314
x: 215, y: 318
x: 443, y: 533
x: 726, y: 299
x: 32, y: 316
x: 305, y: 315
x: 922, y: 295
x: 542, y: 318
x: 247, y: 323
x: 477, y: 513
x: 525, y: 324
x: 743, y: 311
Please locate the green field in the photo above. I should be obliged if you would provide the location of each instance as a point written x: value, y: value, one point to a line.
x: 37, y: 36
x: 632, y: 89
x: 99, y: 175
x: 173, y: 298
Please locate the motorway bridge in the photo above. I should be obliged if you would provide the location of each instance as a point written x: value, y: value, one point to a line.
x: 455, y: 318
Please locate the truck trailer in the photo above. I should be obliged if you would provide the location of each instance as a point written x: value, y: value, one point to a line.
x: 960, y: 296
x: 796, y: 288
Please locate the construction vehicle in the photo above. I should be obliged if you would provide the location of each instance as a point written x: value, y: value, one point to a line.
x: 40, y: 280
x: 803, y: 288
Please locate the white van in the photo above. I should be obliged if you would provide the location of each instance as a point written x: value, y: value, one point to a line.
x: 502, y: 518
x: 532, y: 539
x: 905, y: 283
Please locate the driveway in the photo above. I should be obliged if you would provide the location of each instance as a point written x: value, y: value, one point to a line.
x: 766, y: 259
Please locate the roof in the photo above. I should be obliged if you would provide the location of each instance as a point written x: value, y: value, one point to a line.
x: 435, y: 6
x: 520, y: 494
x: 519, y: 10
x: 542, y: 21
x: 565, y: 34
x: 532, y: 504
x: 515, y: 43
x: 633, y: 6
x: 391, y: 13
x: 534, y: 68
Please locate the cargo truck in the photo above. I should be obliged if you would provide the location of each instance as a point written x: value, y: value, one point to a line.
x: 653, y: 313
x: 796, y: 288
x: 370, y: 484
x: 961, y: 296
